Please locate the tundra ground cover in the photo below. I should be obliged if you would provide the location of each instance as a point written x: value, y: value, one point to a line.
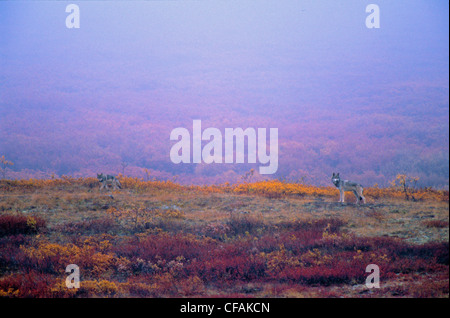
x: 263, y: 239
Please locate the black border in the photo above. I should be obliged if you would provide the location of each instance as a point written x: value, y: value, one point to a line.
x: 159, y: 307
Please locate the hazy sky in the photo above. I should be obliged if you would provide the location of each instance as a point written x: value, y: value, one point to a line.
x: 291, y: 49
x: 275, y: 59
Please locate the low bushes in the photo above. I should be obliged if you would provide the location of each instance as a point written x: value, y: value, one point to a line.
x: 18, y: 224
x: 160, y: 264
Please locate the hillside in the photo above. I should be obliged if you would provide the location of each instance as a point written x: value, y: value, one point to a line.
x: 263, y: 239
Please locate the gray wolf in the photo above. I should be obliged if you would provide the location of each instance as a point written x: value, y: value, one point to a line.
x: 345, y: 185
x: 108, y: 179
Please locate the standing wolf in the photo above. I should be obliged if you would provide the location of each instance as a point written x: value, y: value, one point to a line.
x: 108, y: 179
x: 345, y: 185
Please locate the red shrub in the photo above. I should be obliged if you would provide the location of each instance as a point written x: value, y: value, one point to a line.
x: 164, y: 246
x: 32, y: 284
x: 222, y: 268
x: 18, y: 224
x: 430, y: 251
x: 11, y: 255
x: 323, y: 275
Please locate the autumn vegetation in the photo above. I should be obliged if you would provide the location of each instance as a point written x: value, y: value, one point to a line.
x: 251, y: 239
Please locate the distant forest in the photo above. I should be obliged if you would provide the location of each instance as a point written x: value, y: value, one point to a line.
x: 369, y: 143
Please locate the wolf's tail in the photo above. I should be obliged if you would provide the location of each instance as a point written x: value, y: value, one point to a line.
x: 118, y: 184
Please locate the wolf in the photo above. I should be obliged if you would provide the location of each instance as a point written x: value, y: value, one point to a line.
x: 108, y: 179
x: 345, y: 185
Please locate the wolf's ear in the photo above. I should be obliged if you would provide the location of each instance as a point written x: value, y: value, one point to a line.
x: 337, y: 174
x: 333, y: 174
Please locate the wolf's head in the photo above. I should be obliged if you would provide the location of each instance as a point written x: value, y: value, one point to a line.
x: 335, y: 179
x: 100, y: 177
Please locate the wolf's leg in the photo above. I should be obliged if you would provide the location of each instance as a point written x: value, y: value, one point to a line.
x: 359, y: 193
x: 342, y: 196
x: 362, y: 196
x: 357, y: 196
